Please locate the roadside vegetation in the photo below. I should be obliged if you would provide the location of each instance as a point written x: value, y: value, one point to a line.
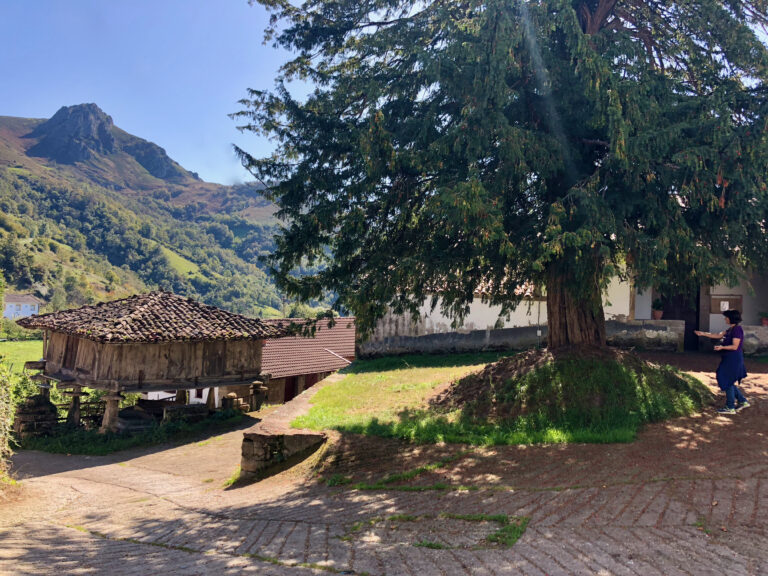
x: 6, y: 416
x: 530, y: 398
x: 90, y: 442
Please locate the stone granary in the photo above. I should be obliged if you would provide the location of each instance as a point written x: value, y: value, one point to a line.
x: 155, y: 341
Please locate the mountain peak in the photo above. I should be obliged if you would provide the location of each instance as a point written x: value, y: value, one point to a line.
x: 74, y: 134
x: 83, y: 132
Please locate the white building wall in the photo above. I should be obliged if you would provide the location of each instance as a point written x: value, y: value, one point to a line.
x: 13, y: 311
x: 483, y: 316
x: 643, y: 300
x: 753, y: 296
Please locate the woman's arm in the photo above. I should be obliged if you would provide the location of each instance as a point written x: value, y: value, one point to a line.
x: 734, y: 346
x: 709, y: 334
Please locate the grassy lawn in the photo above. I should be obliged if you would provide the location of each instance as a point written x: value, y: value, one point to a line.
x: 16, y: 353
x: 378, y: 392
x: 608, y: 401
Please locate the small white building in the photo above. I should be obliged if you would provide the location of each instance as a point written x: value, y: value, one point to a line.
x: 20, y: 306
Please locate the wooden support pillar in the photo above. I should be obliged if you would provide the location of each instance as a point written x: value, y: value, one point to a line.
x: 181, y: 396
x: 109, y: 422
x: 73, y: 416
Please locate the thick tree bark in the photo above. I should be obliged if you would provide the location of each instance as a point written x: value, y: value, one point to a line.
x: 572, y: 320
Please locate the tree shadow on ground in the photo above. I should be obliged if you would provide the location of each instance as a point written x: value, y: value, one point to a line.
x: 701, y: 361
x: 27, y: 464
x: 407, y: 361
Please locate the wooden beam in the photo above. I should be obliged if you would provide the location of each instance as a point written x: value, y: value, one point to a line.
x: 159, y: 387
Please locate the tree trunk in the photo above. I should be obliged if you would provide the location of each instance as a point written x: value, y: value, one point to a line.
x: 573, y: 320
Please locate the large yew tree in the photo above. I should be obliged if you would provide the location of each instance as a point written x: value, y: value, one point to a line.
x: 456, y: 145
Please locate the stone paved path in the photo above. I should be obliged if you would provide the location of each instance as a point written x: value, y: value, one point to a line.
x: 690, y: 497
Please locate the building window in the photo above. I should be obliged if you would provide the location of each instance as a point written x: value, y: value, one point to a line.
x: 198, y: 392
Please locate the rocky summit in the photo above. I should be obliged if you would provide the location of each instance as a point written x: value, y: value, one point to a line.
x: 83, y: 132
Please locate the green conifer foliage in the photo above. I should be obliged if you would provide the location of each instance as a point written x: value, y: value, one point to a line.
x: 457, y: 145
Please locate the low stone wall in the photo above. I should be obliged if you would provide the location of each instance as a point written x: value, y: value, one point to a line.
x: 642, y: 334
x: 666, y: 335
x: 264, y: 449
x: 755, y: 340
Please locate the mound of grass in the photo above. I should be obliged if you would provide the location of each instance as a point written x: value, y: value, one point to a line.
x: 595, y: 396
x: 90, y: 442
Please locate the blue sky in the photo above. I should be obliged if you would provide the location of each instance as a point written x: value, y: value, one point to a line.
x: 166, y: 70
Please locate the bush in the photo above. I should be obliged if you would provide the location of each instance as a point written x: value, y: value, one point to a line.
x: 6, y: 417
x: 12, y: 331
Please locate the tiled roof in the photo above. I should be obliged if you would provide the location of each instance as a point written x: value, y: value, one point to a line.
x: 22, y: 299
x: 297, y: 355
x: 153, y: 317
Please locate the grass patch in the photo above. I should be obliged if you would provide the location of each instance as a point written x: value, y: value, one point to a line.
x: 16, y: 353
x: 380, y: 390
x: 404, y: 518
x: 6, y: 480
x: 509, y: 533
x: 601, y: 397
x: 431, y: 545
x: 232, y: 479
x: 338, y: 480
x: 79, y: 441
x: 701, y: 524
x: 182, y: 265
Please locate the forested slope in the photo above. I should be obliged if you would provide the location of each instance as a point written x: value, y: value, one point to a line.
x: 89, y: 212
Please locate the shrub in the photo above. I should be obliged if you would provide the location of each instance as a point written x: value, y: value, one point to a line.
x: 6, y: 417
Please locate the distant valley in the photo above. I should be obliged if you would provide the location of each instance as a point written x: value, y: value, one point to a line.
x: 89, y: 212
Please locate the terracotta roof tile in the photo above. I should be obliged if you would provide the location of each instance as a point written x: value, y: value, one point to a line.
x: 297, y: 355
x: 153, y: 317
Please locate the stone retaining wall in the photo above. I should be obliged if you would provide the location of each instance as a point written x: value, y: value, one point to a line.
x: 642, y: 334
x: 755, y: 340
x: 264, y: 449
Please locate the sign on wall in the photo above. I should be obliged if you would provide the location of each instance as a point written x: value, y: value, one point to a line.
x: 721, y: 303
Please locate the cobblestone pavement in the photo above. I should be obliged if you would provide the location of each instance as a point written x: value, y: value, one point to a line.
x: 689, y: 497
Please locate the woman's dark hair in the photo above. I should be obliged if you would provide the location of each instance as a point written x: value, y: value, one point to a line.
x: 733, y: 315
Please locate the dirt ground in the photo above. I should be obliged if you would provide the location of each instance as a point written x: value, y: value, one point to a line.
x: 689, y: 497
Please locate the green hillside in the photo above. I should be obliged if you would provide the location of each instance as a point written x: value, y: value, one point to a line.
x: 89, y: 212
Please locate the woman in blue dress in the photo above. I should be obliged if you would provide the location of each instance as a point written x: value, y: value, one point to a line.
x: 731, y: 368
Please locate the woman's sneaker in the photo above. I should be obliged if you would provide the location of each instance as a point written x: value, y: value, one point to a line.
x: 726, y: 410
x: 742, y: 405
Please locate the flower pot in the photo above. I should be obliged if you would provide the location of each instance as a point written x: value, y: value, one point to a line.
x: 657, y: 314
x: 764, y: 321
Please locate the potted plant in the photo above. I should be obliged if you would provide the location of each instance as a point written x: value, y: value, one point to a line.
x: 657, y: 309
x: 764, y: 318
